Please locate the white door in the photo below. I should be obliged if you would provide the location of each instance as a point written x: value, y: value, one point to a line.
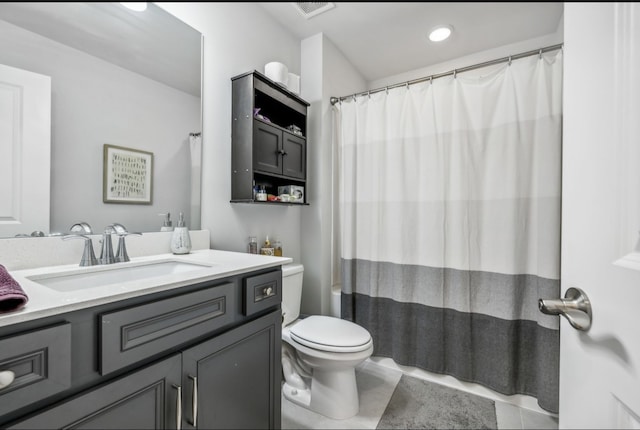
x: 25, y: 154
x: 600, y: 368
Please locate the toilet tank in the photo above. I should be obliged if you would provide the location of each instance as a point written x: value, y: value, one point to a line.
x: 291, y: 292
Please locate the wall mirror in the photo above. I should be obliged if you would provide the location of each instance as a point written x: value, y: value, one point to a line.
x: 118, y: 77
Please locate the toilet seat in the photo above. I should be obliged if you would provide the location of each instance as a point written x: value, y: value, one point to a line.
x: 330, y: 334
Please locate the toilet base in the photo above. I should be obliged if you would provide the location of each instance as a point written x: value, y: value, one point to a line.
x: 333, y: 394
x: 296, y: 395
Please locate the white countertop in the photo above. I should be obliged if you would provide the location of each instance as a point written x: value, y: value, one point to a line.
x: 44, y: 301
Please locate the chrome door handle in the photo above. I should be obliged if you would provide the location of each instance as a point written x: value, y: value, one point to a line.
x: 178, y: 407
x: 575, y: 307
x: 194, y: 401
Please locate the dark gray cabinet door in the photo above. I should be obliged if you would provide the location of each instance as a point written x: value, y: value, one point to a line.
x: 146, y: 399
x: 294, y: 156
x: 267, y: 148
x: 238, y: 377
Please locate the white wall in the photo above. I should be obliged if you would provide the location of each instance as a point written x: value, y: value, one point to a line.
x: 325, y: 72
x: 93, y: 103
x: 238, y: 38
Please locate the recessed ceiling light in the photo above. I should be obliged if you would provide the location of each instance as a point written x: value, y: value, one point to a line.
x: 137, y: 6
x: 440, y: 33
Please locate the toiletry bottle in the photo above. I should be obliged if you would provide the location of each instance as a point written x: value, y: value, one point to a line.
x: 277, y: 248
x: 167, y: 225
x: 253, y: 245
x: 261, y: 195
x: 181, y: 241
x: 266, y: 249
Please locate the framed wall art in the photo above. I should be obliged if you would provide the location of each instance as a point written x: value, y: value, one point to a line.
x: 127, y: 175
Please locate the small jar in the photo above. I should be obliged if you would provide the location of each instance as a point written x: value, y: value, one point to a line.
x: 261, y: 195
x: 253, y: 245
x: 277, y: 248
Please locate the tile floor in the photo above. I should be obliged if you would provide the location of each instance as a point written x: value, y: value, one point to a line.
x: 376, y: 384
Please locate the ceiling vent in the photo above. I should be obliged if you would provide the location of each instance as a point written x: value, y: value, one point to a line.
x: 311, y: 9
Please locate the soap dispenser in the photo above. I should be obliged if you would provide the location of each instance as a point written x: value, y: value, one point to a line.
x: 167, y: 225
x: 181, y: 241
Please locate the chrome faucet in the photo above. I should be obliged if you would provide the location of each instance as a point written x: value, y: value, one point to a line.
x: 82, y: 229
x: 88, y: 256
x: 106, y: 254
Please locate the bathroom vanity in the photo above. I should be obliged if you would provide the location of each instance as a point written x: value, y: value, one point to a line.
x: 197, y: 346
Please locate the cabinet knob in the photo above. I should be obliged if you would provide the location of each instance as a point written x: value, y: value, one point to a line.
x: 268, y: 291
x: 6, y: 378
x: 282, y: 152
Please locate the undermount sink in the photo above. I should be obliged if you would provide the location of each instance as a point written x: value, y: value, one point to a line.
x: 100, y: 276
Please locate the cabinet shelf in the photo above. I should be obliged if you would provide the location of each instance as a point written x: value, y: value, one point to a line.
x: 266, y: 153
x: 270, y: 203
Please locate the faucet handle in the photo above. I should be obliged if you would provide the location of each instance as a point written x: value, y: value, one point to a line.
x: 88, y: 256
x: 121, y: 254
x: 81, y: 227
x: 119, y: 229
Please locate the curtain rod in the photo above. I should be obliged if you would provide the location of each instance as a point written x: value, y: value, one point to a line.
x: 453, y: 72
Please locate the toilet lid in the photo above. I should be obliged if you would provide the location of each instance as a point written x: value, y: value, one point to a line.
x: 330, y: 334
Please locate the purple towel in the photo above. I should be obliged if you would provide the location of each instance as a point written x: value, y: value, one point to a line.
x: 12, y: 297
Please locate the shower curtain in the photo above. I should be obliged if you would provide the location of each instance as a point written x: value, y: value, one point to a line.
x: 449, y: 219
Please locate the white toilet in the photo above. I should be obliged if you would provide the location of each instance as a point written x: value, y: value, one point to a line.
x: 319, y: 354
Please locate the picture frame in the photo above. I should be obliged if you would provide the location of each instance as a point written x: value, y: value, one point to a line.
x: 127, y: 175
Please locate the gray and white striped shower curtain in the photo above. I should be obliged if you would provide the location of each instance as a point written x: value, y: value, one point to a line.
x: 449, y: 223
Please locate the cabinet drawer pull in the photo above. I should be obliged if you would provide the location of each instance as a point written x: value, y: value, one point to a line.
x: 178, y: 407
x: 194, y: 401
x: 6, y: 378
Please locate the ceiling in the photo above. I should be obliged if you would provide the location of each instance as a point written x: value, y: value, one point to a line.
x: 383, y: 39
x: 154, y: 43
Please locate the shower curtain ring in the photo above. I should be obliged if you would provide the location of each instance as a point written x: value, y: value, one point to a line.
x: 431, y: 80
x: 509, y: 59
x: 454, y: 73
x: 540, y: 54
x: 386, y: 89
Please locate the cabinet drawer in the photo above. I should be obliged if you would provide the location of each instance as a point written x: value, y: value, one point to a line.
x: 262, y: 292
x: 41, y: 362
x: 140, y: 332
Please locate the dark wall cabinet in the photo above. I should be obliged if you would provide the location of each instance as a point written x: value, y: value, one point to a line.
x: 199, y: 359
x: 269, y: 143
